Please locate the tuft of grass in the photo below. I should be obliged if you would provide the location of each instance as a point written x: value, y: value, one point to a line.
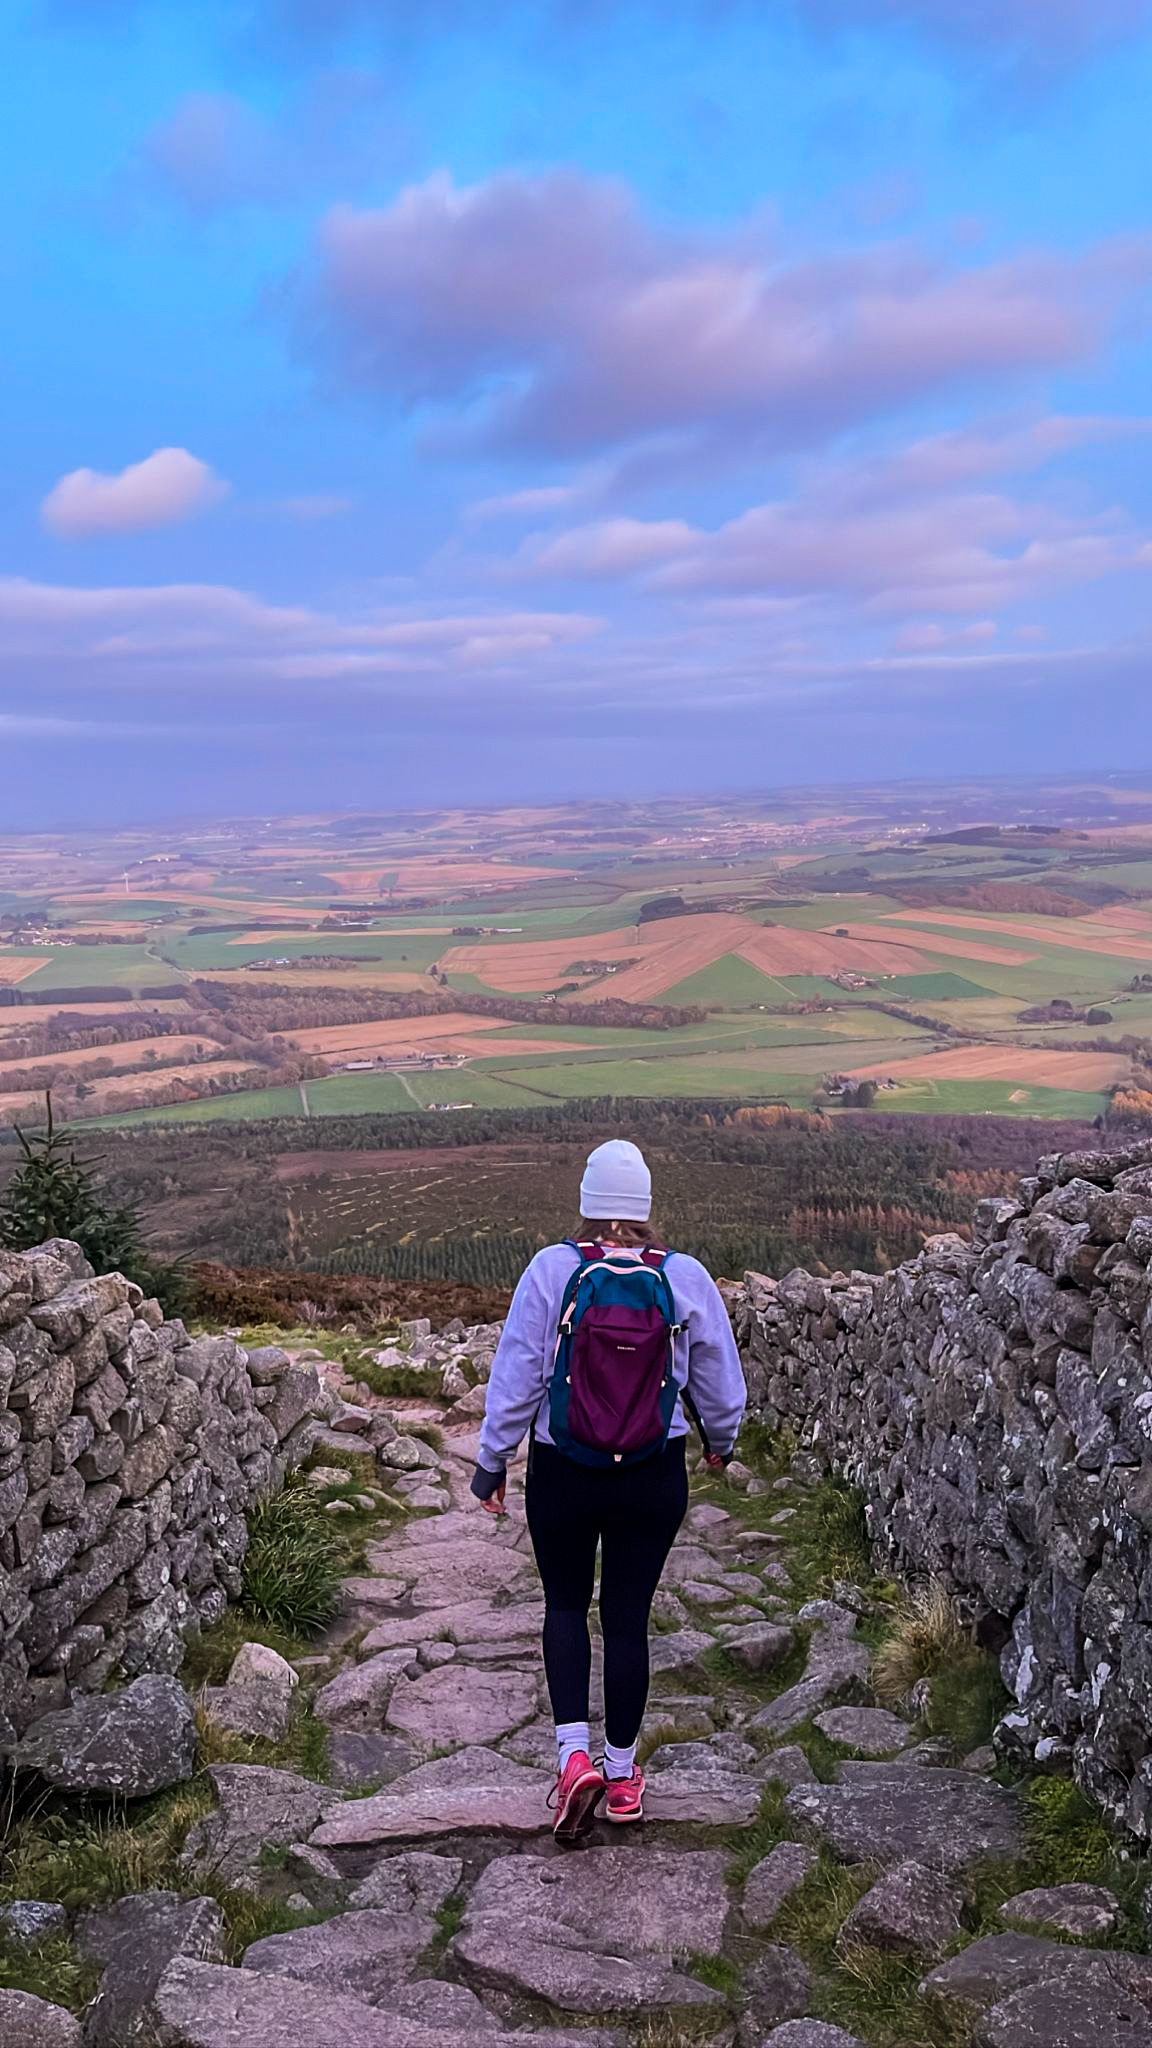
x: 1069, y: 1841
x: 294, y: 1562
x: 922, y: 1637
x: 720, y: 1972
x: 78, y: 1855
x: 51, y: 1969
x: 750, y: 1844
x: 304, y: 1749
x: 448, y: 1917
x: 388, y: 1380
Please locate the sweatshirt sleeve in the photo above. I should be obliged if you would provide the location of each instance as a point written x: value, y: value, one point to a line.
x: 519, y: 1371
x: 715, y: 1375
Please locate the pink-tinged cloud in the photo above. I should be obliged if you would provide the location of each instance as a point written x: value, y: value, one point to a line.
x: 172, y: 630
x: 165, y: 488
x: 951, y: 552
x: 558, y: 317
x: 608, y: 547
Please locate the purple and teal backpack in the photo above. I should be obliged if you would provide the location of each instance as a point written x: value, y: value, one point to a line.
x: 612, y: 1394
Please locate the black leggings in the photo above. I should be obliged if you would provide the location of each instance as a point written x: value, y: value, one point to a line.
x: 633, y: 1513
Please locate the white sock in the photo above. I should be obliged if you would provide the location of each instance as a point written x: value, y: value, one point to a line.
x: 619, y: 1763
x: 570, y: 1737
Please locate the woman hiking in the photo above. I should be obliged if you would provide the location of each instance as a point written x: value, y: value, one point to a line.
x: 610, y: 1339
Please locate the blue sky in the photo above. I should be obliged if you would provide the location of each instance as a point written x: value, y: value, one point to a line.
x: 553, y: 400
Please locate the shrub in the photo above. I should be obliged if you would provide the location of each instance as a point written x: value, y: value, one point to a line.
x: 293, y: 1564
x: 923, y: 1637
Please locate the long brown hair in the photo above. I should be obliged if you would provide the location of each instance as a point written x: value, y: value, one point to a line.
x: 599, y: 1230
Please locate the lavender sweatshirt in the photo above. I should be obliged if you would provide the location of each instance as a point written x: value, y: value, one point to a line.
x: 706, y: 1362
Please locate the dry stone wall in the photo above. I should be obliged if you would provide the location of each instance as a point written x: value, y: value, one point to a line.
x: 129, y: 1454
x: 994, y: 1401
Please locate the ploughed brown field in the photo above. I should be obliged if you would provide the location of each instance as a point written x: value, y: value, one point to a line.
x: 1084, y: 935
x: 13, y: 1022
x: 452, y: 1032
x: 124, y: 1057
x: 657, y: 956
x: 15, y: 967
x: 1072, y: 1070
x: 961, y: 949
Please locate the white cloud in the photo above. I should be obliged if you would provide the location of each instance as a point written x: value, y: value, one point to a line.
x: 168, y: 486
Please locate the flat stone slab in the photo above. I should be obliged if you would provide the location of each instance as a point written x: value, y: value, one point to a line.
x: 773, y: 1881
x: 471, y: 1706
x: 1065, y: 2014
x: 679, y: 1651
x: 594, y: 1933
x: 257, y: 1807
x: 358, y: 1759
x: 1086, y: 1911
x: 714, y: 1798
x: 260, y: 1707
x: 760, y: 1646
x: 810, y: 2034
x: 358, y: 1697
x: 203, y: 2005
x: 946, y: 1819
x: 437, y: 1571
x: 476, y: 1790
x: 911, y: 1911
x: 27, y: 2022
x: 997, y: 1966
x: 777, y: 1986
x: 414, y: 1882
x: 520, y: 1621
x: 869, y: 1730
x: 364, y: 1953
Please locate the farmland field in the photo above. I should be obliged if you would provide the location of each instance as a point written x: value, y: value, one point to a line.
x: 780, y: 949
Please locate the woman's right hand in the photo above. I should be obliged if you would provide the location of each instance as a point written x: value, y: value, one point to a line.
x: 498, y: 1504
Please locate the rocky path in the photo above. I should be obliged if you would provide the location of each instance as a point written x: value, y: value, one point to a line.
x: 760, y: 1903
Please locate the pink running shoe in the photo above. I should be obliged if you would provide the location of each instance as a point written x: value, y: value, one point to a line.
x: 625, y: 1798
x: 575, y: 1795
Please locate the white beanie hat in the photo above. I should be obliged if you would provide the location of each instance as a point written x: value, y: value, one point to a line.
x: 617, y: 1184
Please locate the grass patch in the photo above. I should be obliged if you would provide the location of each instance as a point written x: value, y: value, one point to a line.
x: 968, y: 1698
x: 304, y: 1749
x: 77, y: 1855
x: 872, y: 1995
x: 750, y: 1844
x: 294, y: 1562
x: 720, y: 1972
x: 1068, y: 1843
x: 416, y: 1380
x: 51, y: 1969
x: 360, y: 1464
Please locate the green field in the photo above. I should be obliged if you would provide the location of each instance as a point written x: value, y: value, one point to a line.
x: 729, y: 984
x: 131, y: 967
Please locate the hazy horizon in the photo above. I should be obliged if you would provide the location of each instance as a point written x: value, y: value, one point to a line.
x: 536, y: 408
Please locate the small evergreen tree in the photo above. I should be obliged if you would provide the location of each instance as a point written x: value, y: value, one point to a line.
x: 55, y: 1193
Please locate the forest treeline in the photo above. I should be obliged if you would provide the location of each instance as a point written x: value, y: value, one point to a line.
x: 752, y: 1187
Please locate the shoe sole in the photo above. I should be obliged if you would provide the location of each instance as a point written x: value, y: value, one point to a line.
x: 578, y: 1815
x: 620, y: 1820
